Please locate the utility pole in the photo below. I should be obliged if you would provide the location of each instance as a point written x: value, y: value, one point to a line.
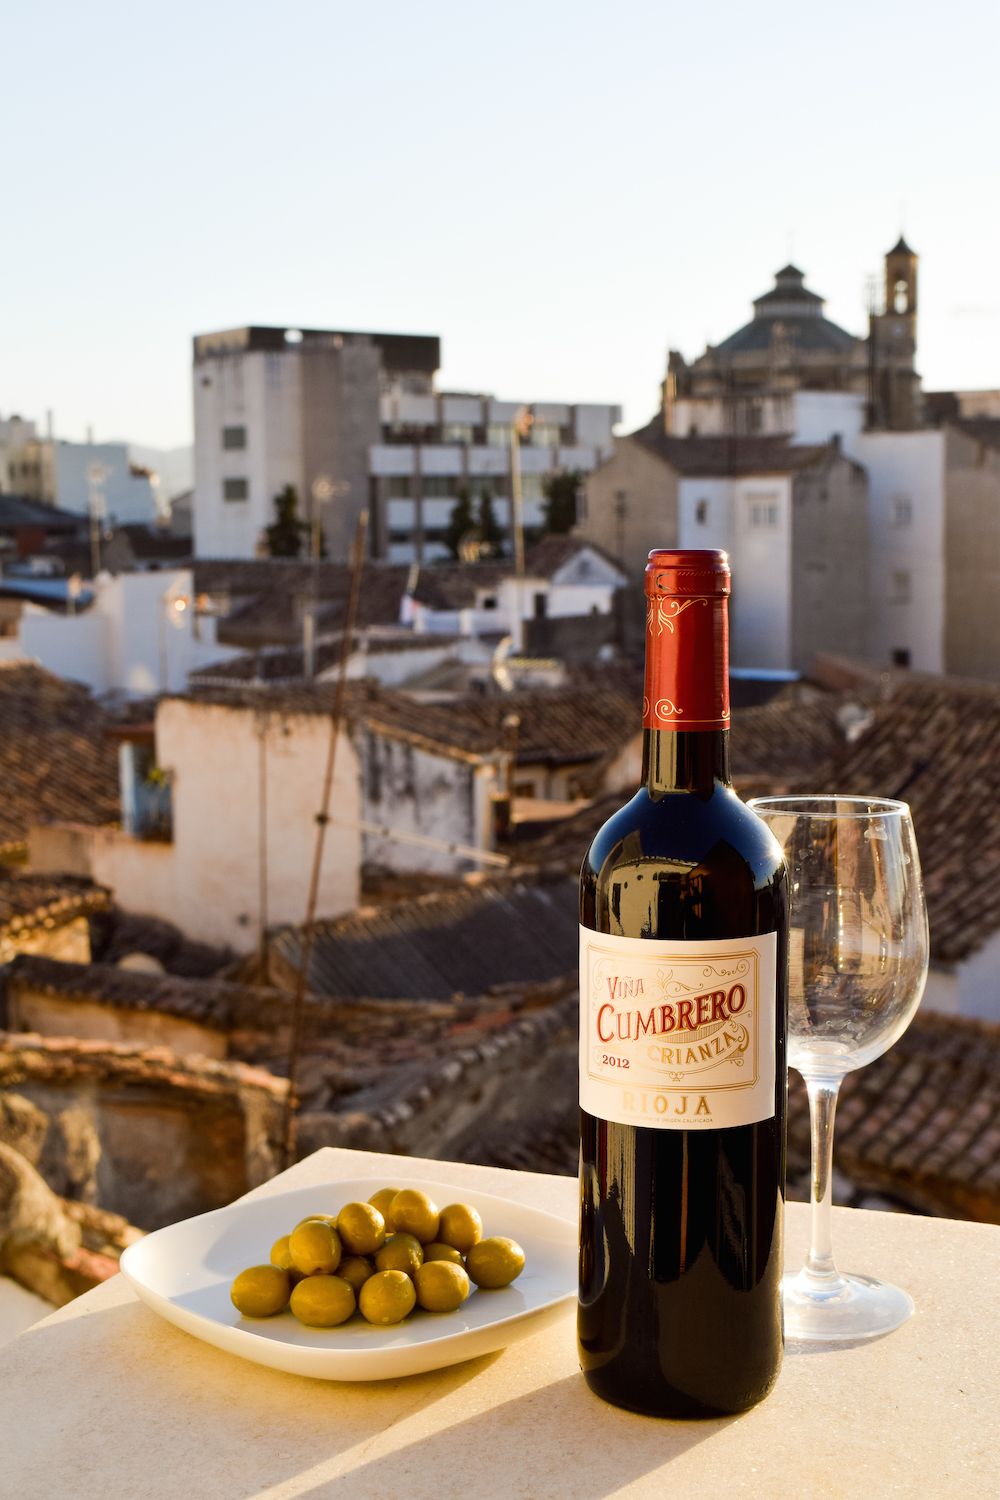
x: 322, y: 823
x: 96, y: 475
x: 520, y: 427
x: 323, y: 489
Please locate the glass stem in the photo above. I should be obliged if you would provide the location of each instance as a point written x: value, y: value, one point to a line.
x: 819, y: 1266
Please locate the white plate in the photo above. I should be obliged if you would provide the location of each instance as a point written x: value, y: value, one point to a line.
x: 184, y: 1273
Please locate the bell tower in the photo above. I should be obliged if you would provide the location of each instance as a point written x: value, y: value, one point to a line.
x: 896, y: 385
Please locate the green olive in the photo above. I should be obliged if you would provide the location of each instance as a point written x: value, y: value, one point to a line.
x: 355, y: 1270
x: 387, y: 1297
x: 495, y: 1262
x: 437, y: 1251
x: 414, y: 1213
x: 281, y: 1256
x: 323, y: 1301
x: 315, y: 1248
x: 361, y: 1228
x: 401, y: 1252
x: 461, y: 1226
x: 260, y: 1291
x: 381, y: 1201
x: 441, y: 1286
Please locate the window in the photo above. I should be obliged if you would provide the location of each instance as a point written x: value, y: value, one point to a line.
x: 763, y: 515
x: 457, y: 432
x: 398, y: 486
x: 701, y: 512
x: 900, y: 657
x: 440, y: 486
x: 532, y: 487
x: 545, y: 435
x: 234, y: 437
x: 488, y: 601
x: 900, y: 590
x: 900, y: 297
x: 902, y: 510
x: 235, y: 489
x: 498, y: 435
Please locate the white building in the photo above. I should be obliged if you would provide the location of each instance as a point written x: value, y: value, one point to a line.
x: 135, y: 634
x: 218, y: 822
x: 349, y: 419
x: 79, y: 477
x: 565, y: 577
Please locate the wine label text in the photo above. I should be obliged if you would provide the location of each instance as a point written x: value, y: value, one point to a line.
x: 677, y: 1035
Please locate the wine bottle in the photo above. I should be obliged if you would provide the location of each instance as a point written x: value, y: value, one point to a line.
x: 683, y: 960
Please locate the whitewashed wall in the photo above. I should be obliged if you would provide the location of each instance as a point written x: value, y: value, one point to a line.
x: 131, y: 640
x: 906, y: 466
x: 761, y: 559
x: 207, y: 880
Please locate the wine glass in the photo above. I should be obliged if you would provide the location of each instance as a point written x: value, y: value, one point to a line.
x: 858, y: 952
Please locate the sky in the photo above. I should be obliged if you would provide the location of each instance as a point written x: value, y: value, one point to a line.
x: 561, y: 189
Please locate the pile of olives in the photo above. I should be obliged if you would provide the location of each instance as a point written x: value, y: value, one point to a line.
x: 384, y: 1257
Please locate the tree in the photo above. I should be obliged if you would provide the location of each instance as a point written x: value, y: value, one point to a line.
x: 285, y: 535
x: 560, y: 500
x: 490, y: 534
x: 460, y: 523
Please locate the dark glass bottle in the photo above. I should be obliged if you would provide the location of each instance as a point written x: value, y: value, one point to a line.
x: 681, y: 1211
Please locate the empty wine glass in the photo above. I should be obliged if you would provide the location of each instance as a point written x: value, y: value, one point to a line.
x: 857, y: 966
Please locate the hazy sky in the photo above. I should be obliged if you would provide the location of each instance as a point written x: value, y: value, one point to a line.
x: 560, y: 189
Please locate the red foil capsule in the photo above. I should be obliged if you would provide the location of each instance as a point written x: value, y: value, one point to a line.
x: 687, y: 640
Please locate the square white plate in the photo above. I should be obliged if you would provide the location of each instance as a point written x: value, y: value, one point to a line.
x: 184, y: 1273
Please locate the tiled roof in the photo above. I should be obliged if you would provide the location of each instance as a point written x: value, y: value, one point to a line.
x: 287, y: 664
x: 118, y: 934
x: 465, y: 941
x: 453, y: 585
x: 552, y: 552
x: 985, y: 430
x: 218, y: 1004
x: 266, y: 596
x: 28, y: 1059
x: 919, y: 1128
x: 714, y: 456
x: 561, y: 726
x: 56, y: 761
x: 775, y: 746
x: 16, y: 511
x: 29, y: 901
x: 935, y: 743
x: 921, y: 1124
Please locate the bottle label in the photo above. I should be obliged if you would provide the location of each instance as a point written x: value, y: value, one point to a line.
x: 677, y: 1036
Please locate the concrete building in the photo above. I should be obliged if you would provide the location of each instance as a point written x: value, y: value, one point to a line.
x: 972, y: 548
x: 348, y: 419
x: 793, y: 518
x: 436, y: 448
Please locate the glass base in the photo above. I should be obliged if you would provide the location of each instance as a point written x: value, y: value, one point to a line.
x: 842, y: 1309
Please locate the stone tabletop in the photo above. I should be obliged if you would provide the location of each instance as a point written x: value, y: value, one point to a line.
x: 103, y: 1398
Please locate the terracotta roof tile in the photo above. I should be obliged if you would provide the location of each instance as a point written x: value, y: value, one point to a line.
x: 463, y: 941
x: 56, y: 761
x: 28, y: 901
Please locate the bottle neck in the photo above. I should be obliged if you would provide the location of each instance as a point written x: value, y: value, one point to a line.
x: 690, y: 761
